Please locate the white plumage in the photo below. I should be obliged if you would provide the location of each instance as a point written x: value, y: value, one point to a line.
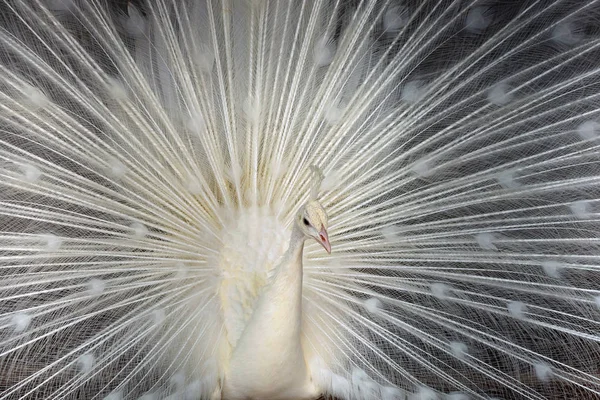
x: 163, y: 227
x: 265, y: 357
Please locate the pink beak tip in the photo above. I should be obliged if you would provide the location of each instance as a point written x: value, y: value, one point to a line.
x: 324, y: 240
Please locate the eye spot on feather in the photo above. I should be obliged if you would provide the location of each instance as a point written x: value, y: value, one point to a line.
x: 181, y: 271
x: 581, y: 208
x: 86, y: 362
x: 390, y: 234
x: 324, y: 51
x: 459, y: 349
x: 485, y: 240
x: 422, y: 168
x: 21, y: 321
x: 441, y: 291
x: 116, y: 89
x: 30, y: 173
x: 395, y: 17
x: 193, y: 186
x: 413, y: 91
x: 566, y: 34
x: 373, y: 305
x: 35, y: 97
x: 552, y: 268
x: 499, y: 94
x: 116, y: 169
x: 588, y: 130
x: 138, y: 230
x: 507, y: 180
x: 517, y: 309
x: 543, y: 371
x: 158, y: 316
x: 196, y: 123
x: 333, y: 114
x: 134, y: 23
x: 478, y: 19
x: 50, y: 242
x: 95, y: 287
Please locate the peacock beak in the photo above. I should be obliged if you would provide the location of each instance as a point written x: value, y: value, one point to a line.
x: 324, y: 240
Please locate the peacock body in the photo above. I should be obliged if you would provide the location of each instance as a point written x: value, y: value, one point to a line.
x: 164, y: 230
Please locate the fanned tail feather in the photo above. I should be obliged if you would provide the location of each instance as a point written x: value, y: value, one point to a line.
x: 459, y: 146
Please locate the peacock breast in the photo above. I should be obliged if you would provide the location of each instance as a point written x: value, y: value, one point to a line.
x: 253, y: 243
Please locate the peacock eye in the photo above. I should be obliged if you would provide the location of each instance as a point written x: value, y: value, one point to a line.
x: 306, y: 222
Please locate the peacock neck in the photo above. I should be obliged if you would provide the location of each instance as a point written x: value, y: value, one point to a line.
x: 296, y: 248
x: 268, y: 361
x: 285, y: 284
x: 278, y: 310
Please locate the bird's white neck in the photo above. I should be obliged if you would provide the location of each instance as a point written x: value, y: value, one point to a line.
x: 286, y: 284
x: 280, y: 304
x: 268, y: 361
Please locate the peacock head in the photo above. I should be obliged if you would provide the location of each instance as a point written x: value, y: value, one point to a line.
x: 312, y: 221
